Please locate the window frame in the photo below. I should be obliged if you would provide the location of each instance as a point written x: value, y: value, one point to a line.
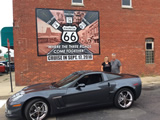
x: 77, y: 4
x: 126, y: 6
x: 152, y: 46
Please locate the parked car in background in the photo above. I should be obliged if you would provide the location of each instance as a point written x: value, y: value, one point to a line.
x: 79, y: 90
x: 7, y: 66
x: 2, y: 68
x: 12, y: 66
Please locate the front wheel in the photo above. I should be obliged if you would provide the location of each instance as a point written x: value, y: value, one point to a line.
x: 124, y: 98
x: 36, y: 109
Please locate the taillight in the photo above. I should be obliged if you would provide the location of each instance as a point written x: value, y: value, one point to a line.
x: 135, y: 84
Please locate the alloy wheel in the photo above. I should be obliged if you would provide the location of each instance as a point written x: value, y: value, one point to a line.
x: 38, y: 110
x: 125, y: 99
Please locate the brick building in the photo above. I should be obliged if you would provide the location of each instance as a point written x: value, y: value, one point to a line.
x: 129, y: 28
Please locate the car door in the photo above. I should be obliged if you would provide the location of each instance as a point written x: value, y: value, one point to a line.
x: 96, y: 91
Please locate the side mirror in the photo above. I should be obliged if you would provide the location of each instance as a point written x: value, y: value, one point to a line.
x: 80, y: 85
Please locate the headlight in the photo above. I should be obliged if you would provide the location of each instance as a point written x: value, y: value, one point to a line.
x: 17, y: 96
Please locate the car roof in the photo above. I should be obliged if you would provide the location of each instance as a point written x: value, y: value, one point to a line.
x: 86, y: 72
x: 90, y: 71
x: 83, y: 71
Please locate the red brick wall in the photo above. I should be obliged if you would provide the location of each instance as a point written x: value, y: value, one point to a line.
x: 122, y: 31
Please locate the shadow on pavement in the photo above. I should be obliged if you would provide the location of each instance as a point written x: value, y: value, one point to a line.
x: 84, y: 112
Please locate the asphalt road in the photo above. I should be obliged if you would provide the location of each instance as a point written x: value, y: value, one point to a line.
x: 147, y: 107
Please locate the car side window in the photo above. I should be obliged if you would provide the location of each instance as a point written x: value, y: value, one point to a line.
x: 90, y: 79
x: 111, y: 76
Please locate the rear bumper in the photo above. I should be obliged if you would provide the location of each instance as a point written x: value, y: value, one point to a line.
x: 138, y: 90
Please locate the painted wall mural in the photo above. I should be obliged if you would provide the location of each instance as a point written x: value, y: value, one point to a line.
x: 64, y: 35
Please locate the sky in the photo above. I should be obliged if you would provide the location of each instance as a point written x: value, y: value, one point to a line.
x: 6, y: 19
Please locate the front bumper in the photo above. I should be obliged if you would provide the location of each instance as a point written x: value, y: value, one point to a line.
x: 12, y: 112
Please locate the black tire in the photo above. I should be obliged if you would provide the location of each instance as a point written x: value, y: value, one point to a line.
x: 124, y: 101
x: 30, y: 108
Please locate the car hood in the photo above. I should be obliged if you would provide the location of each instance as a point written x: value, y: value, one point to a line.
x: 38, y: 87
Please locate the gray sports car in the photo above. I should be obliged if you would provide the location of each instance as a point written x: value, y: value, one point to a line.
x: 79, y: 90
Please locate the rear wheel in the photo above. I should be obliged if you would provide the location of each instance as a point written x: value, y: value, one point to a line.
x: 124, y: 98
x: 36, y: 109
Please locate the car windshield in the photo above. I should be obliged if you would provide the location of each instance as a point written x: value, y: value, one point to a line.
x: 67, y: 79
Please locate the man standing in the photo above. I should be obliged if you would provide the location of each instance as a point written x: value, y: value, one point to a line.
x: 116, y: 65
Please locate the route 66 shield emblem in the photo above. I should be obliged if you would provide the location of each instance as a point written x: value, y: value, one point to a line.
x: 69, y: 34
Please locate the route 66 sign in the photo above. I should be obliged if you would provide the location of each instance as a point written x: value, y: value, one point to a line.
x: 69, y: 34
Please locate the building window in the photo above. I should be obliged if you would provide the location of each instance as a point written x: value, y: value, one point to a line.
x: 77, y: 2
x: 126, y: 3
x: 149, y: 48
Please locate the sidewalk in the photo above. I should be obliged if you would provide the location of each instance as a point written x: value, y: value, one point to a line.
x: 148, y: 83
x: 5, y: 87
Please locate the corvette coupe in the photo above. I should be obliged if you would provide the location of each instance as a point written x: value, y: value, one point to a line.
x: 78, y: 90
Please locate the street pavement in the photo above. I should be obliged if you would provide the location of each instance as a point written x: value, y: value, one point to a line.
x: 147, y: 107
